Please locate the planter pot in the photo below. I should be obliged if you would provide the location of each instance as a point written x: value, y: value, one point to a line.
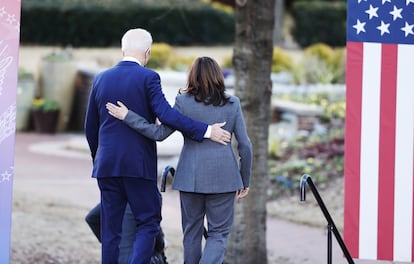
x: 25, y: 94
x: 45, y: 122
x: 56, y: 82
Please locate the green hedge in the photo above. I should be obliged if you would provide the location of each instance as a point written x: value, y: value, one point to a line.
x: 102, y: 23
x: 317, y: 22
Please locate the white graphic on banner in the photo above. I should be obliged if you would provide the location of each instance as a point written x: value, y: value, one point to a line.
x: 7, y: 122
x: 4, y: 64
x: 9, y: 19
x: 7, y: 176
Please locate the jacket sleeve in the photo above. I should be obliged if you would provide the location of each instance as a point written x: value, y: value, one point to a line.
x: 92, y: 124
x: 244, y: 147
x: 169, y: 116
x: 142, y: 126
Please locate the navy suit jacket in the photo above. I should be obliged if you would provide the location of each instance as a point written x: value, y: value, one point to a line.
x: 117, y: 150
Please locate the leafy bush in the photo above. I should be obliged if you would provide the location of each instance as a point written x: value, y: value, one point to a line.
x: 63, y: 22
x: 227, y: 62
x: 160, y: 55
x: 333, y: 106
x: 179, y: 63
x: 281, y: 60
x: 338, y: 65
x: 319, y: 156
x: 321, y: 51
x: 319, y: 21
x: 320, y: 64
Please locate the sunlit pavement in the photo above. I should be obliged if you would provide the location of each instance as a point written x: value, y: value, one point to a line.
x: 59, y: 166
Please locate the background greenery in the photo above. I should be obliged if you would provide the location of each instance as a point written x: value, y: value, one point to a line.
x: 101, y: 23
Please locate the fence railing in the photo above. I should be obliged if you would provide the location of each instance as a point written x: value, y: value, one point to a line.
x: 307, y: 179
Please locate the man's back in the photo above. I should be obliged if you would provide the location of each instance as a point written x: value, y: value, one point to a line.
x: 120, y: 151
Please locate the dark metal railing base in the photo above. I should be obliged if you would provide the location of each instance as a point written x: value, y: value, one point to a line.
x: 306, y: 179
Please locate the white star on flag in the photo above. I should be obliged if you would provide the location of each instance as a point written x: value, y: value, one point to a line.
x: 372, y: 11
x: 383, y: 28
x: 359, y: 26
x: 407, y: 2
x: 396, y: 13
x: 408, y: 29
x: 384, y: 1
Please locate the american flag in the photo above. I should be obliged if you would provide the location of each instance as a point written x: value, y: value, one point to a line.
x: 379, y: 137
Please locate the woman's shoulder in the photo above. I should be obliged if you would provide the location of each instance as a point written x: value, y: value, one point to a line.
x: 233, y: 98
x: 183, y: 95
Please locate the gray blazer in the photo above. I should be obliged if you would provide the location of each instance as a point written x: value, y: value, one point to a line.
x: 206, y: 167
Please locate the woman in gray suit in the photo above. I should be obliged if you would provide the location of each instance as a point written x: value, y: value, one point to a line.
x: 208, y: 175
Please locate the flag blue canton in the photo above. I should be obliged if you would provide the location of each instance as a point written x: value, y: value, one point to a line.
x: 381, y: 21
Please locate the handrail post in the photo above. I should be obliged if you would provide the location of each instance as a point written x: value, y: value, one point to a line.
x: 307, y: 179
x: 168, y: 169
x: 329, y: 229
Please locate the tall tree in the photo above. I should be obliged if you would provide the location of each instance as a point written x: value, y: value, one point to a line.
x: 252, y: 59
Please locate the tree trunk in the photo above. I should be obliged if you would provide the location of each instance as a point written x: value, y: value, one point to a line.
x: 252, y: 58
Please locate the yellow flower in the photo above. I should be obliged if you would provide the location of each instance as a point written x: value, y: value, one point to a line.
x: 41, y: 104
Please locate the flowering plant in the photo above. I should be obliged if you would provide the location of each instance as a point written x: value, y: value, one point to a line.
x: 45, y: 105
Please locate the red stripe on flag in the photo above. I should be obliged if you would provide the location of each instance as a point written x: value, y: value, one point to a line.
x: 387, y: 151
x: 352, y: 146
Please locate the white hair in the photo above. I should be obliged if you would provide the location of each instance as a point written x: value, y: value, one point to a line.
x: 136, y: 39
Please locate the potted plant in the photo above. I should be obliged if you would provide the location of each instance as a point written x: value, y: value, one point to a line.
x: 45, y: 114
x: 56, y: 78
x: 25, y: 93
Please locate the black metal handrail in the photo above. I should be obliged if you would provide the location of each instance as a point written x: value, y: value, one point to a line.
x: 168, y: 170
x: 331, y: 225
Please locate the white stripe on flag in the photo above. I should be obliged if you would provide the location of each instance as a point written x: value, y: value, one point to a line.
x: 403, y: 202
x: 369, y: 151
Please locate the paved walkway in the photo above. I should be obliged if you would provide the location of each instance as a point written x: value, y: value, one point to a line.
x: 59, y: 166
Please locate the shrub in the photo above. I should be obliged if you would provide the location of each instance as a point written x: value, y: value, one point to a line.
x: 338, y: 65
x: 321, y: 156
x: 63, y: 22
x: 160, y: 56
x: 227, y: 62
x: 281, y: 60
x: 180, y: 63
x: 320, y: 64
x: 321, y: 51
x: 319, y: 21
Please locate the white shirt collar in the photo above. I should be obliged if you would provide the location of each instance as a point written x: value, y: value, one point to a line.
x: 129, y: 58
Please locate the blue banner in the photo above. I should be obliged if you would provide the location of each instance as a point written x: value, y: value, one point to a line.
x: 9, y: 51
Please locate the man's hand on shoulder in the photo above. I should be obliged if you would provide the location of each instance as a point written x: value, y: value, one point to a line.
x: 118, y: 111
x: 219, y: 135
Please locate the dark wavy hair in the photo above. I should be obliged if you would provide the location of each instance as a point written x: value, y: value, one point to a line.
x: 206, y: 82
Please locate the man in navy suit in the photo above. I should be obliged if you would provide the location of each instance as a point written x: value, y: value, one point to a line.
x: 125, y: 162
